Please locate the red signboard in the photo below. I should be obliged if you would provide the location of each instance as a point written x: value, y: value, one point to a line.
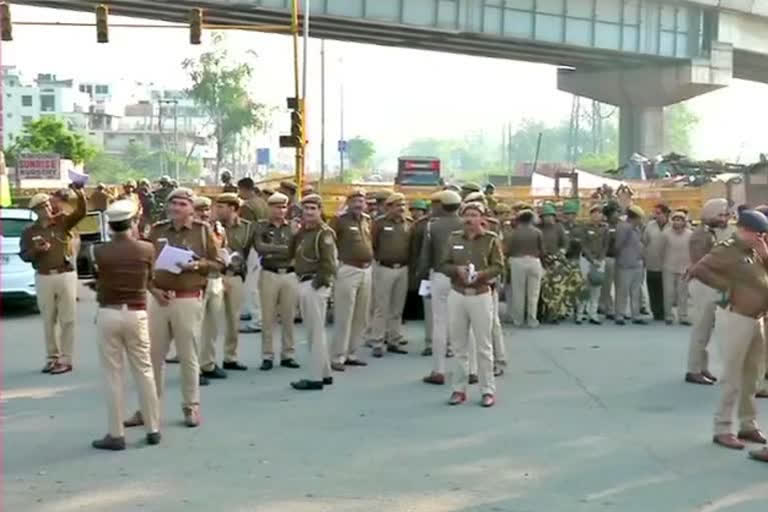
x: 43, y: 166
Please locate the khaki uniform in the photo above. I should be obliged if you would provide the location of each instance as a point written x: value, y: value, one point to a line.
x: 124, y: 270
x: 497, y: 334
x: 391, y: 238
x: 737, y: 272
x: 418, y: 234
x: 470, y: 306
x: 352, y: 292
x: 703, y: 300
x: 239, y: 240
x: 253, y: 210
x: 278, y: 287
x: 213, y: 306
x: 594, y: 246
x: 99, y: 200
x: 607, y: 304
x: 56, y: 279
x: 676, y: 258
x: 313, y: 250
x: 438, y: 232
x: 524, y: 248
x: 181, y: 320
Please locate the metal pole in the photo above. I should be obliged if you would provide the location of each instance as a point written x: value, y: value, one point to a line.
x: 300, y: 181
x: 322, y: 110
x: 176, y: 136
x: 341, y: 139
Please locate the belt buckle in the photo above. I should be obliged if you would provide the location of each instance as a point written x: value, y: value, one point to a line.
x: 470, y: 291
x: 282, y: 271
x: 396, y: 266
x: 53, y: 272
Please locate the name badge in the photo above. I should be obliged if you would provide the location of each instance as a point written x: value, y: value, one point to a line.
x: 388, y: 228
x: 458, y: 246
x: 354, y: 228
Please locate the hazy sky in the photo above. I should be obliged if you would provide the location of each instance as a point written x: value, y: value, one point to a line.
x: 391, y: 95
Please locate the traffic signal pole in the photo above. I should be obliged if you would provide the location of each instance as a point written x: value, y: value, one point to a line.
x: 301, y: 146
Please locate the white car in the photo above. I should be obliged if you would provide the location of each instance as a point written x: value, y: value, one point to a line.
x: 17, y: 277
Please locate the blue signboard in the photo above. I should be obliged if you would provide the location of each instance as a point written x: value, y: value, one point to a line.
x: 262, y: 156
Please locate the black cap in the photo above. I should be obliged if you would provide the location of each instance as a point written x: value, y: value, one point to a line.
x: 753, y: 221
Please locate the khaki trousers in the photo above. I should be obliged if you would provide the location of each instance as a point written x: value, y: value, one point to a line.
x: 472, y: 314
x: 741, y: 343
x: 351, y: 298
x: 525, y: 276
x: 607, y: 304
x: 127, y: 332
x: 313, y: 305
x: 234, y: 289
x: 427, y: 301
x: 279, y: 295
x: 675, y: 292
x: 213, y: 306
x: 389, y: 292
x: 440, y: 286
x: 251, y: 301
x: 57, y: 299
x: 703, y: 298
x: 497, y: 335
x: 588, y: 308
x: 180, y: 321
x: 629, y: 284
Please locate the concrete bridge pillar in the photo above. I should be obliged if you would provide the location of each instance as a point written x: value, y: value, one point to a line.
x: 641, y: 93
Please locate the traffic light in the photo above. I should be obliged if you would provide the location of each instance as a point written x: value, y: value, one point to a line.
x: 6, y: 28
x: 195, y: 26
x: 296, y: 138
x: 102, y: 24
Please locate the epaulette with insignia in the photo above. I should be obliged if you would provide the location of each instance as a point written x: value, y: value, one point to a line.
x: 161, y: 223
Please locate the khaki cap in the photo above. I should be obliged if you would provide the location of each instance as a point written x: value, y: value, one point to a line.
x: 436, y: 196
x: 278, y: 198
x: 636, y: 210
x: 475, y: 196
x: 449, y: 197
x: 182, y: 193
x: 201, y: 202
x: 397, y: 197
x: 382, y: 195
x: 130, y: 183
x: 38, y: 200
x: 312, y: 199
x: 121, y: 210
x: 356, y: 192
x: 228, y: 198
x: 473, y: 205
x: 289, y: 185
x: 472, y: 187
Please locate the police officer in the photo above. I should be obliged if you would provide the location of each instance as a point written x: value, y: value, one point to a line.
x: 490, y: 190
x: 438, y: 231
x: 714, y: 214
x: 469, y: 188
x: 239, y: 243
x: 607, y: 302
x: 213, y: 297
x: 594, y: 247
x: 176, y: 304
x: 124, y: 270
x: 277, y: 284
x: 48, y: 246
x: 161, y: 198
x: 289, y: 189
x: 226, y: 180
x: 420, y: 214
x: 313, y: 249
x: 738, y: 269
x: 352, y: 291
x: 253, y: 209
x: 391, y: 236
x: 524, y: 247
x: 100, y: 199
x: 472, y: 259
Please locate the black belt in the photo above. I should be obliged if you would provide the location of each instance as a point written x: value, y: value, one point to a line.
x: 306, y: 277
x: 393, y: 265
x: 276, y: 270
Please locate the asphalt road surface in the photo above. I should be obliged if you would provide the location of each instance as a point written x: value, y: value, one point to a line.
x: 587, y: 419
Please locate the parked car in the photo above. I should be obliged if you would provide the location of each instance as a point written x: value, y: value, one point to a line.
x: 17, y: 277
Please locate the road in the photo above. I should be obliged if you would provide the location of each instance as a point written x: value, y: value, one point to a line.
x: 588, y: 419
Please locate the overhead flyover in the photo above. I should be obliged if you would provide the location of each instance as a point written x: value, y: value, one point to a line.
x: 638, y: 54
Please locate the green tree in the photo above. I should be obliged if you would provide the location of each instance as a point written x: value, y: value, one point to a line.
x: 361, y: 152
x: 220, y: 87
x: 136, y: 162
x: 679, y: 125
x: 50, y: 135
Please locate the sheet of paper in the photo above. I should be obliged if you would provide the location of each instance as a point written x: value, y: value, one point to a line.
x: 425, y: 288
x: 170, y: 257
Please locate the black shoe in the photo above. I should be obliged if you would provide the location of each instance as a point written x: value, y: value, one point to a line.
x: 426, y: 352
x: 266, y: 365
x: 216, y: 373
x: 245, y: 317
x: 396, y: 349
x: 235, y: 366
x: 355, y: 362
x: 610, y: 317
x: 402, y: 342
x: 327, y: 381
x: 594, y: 321
x: 377, y: 352
x: 449, y: 353
x: 172, y: 360
x: 307, y: 385
x: 473, y: 378
x: 109, y: 443
x: 154, y: 438
x: 203, y: 380
x: 289, y: 363
x: 640, y: 321
x: 578, y: 321
x: 620, y: 321
x: 668, y: 322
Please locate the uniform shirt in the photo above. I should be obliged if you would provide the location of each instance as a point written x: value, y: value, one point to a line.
x: 629, y: 246
x: 391, y: 239
x: 524, y: 240
x: 124, y: 271
x: 271, y: 241
x: 611, y: 229
x: 734, y: 268
x: 571, y: 230
x: 493, y: 224
x: 254, y: 209
x: 438, y: 231
x: 653, y: 238
x: 553, y: 238
x: 594, y: 241
x: 353, y: 238
x: 484, y: 251
x: 59, y: 234
x: 675, y: 250
x: 240, y: 237
x: 160, y: 202
x: 313, y: 250
x: 195, y: 236
x: 229, y: 188
x: 99, y: 200
x: 702, y: 240
x: 418, y: 237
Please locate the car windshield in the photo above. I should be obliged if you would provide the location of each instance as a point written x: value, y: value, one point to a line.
x: 13, y: 228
